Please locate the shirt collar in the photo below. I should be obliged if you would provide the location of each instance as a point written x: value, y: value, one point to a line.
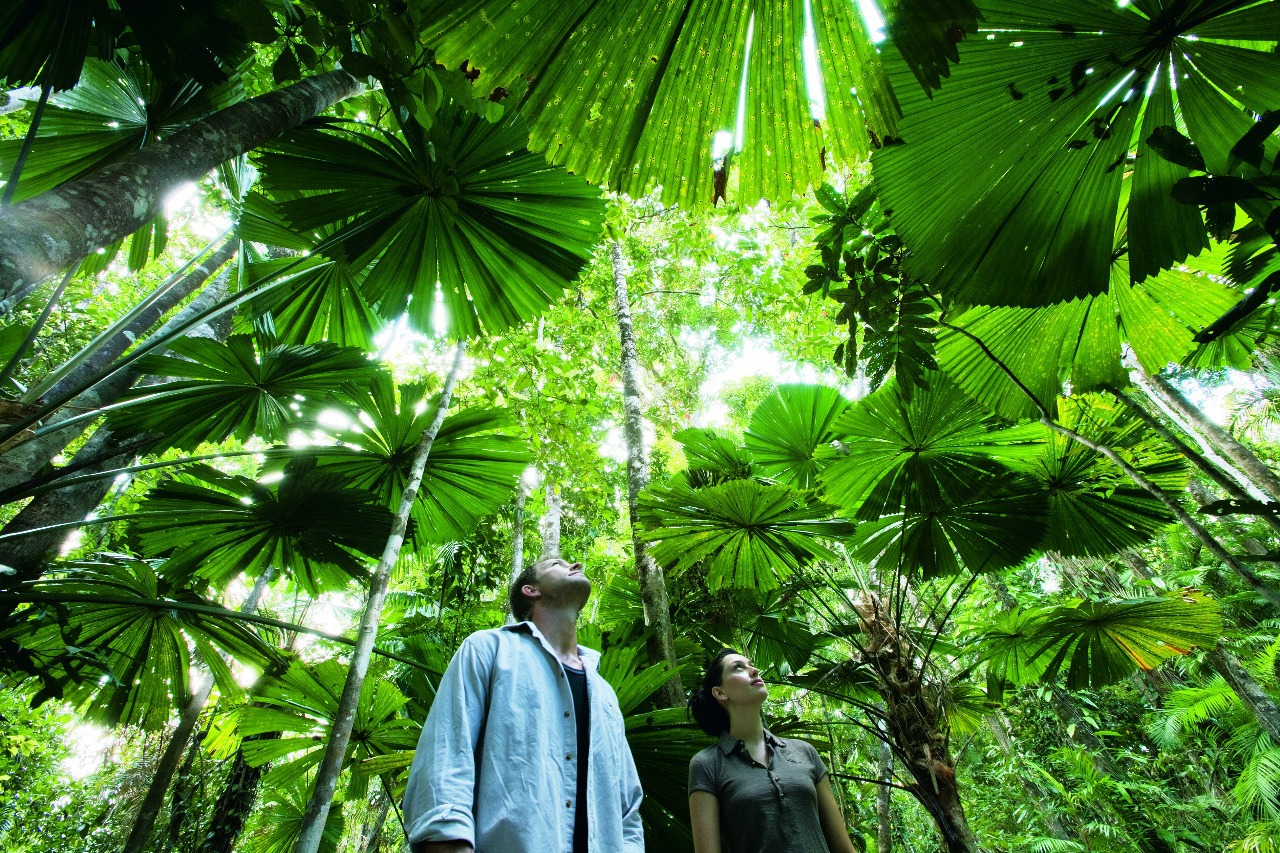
x: 590, y: 657
x: 728, y: 743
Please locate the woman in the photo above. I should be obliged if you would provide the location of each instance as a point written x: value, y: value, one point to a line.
x: 754, y: 792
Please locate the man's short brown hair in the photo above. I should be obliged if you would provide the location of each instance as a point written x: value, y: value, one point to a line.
x: 521, y: 604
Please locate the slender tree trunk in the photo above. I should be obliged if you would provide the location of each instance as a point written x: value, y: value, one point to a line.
x: 1255, y: 698
x: 21, y: 463
x: 884, y: 795
x: 154, y: 800
x: 1214, y: 472
x: 653, y: 587
x: 317, y: 814
x: 370, y: 840
x: 517, y: 531
x: 46, y: 233
x: 1197, y: 529
x: 549, y: 524
x: 183, y: 795
x: 1254, y: 468
x: 28, y: 555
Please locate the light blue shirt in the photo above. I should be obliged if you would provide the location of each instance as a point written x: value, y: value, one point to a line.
x: 515, y: 791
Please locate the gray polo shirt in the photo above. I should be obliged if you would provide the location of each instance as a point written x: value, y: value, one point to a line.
x: 763, y: 809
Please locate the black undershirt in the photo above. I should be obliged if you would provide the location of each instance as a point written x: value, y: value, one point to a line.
x: 581, y: 714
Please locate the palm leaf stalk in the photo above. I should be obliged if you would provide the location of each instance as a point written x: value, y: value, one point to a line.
x: 1198, y: 530
x: 653, y: 586
x: 317, y: 813
x: 140, y: 834
x: 47, y: 233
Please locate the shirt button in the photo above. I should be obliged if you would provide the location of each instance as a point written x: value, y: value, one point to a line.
x: 566, y: 715
x: 568, y: 804
x: 568, y: 756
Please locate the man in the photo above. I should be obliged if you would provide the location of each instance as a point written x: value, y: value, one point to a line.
x: 524, y: 750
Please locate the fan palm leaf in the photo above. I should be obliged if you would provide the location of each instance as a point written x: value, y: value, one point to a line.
x: 301, y: 704
x: 997, y: 522
x: 789, y: 426
x: 632, y: 97
x: 248, y: 386
x: 472, y: 470
x: 468, y: 209
x: 322, y: 299
x: 47, y: 41
x: 1094, y: 508
x: 926, y: 449
x: 720, y: 457
x: 124, y: 663
x: 1012, y: 177
x: 311, y: 523
x: 750, y: 534
x: 1100, y: 642
x: 276, y: 826
x: 115, y: 109
x: 1079, y: 342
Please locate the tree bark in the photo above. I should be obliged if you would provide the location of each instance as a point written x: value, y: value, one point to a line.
x: 154, y: 800
x: 1211, y: 470
x: 1257, y: 700
x: 884, y: 796
x: 653, y: 587
x: 21, y: 463
x: 231, y: 812
x: 549, y: 524
x: 317, y: 814
x: 57, y: 228
x: 517, y: 531
x: 1262, y: 477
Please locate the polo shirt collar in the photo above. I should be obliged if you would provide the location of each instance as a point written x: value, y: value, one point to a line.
x: 728, y: 743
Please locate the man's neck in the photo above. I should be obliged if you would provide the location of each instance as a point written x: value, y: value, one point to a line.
x: 560, y: 628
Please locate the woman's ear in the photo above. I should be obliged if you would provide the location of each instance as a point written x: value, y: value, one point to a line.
x: 718, y: 694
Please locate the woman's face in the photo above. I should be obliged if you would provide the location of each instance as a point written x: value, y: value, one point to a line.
x: 740, y: 683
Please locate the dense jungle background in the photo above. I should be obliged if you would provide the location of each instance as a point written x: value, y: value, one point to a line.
x: 927, y: 353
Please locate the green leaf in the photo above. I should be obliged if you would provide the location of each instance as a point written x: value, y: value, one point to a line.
x: 633, y: 96
x: 750, y: 534
x: 1094, y: 508
x: 788, y: 427
x: 130, y: 664
x: 996, y: 523
x: 926, y: 450
x: 500, y: 231
x: 471, y: 472
x: 1011, y: 178
x: 310, y: 523
x: 248, y: 386
x: 707, y: 451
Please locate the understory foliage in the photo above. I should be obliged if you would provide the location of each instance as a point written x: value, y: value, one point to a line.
x: 956, y: 355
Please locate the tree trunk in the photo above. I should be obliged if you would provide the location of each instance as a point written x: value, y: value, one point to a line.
x: 915, y: 721
x: 1257, y: 700
x: 1258, y: 473
x: 154, y: 800
x: 517, y: 531
x: 884, y: 796
x: 20, y: 464
x: 1213, y: 471
x: 183, y: 795
x: 549, y: 524
x: 28, y: 555
x: 42, y: 235
x: 313, y: 822
x: 653, y: 586
x: 370, y: 840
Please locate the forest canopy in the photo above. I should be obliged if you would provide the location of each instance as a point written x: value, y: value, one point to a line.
x: 924, y: 352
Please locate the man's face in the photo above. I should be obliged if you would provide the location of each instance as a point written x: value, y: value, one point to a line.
x: 562, y: 582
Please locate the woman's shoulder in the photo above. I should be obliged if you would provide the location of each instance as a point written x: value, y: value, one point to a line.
x: 706, y: 756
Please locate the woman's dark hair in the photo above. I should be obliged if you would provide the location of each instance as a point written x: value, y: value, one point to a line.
x: 709, y: 714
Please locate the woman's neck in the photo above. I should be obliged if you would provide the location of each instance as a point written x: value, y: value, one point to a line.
x: 745, y: 724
